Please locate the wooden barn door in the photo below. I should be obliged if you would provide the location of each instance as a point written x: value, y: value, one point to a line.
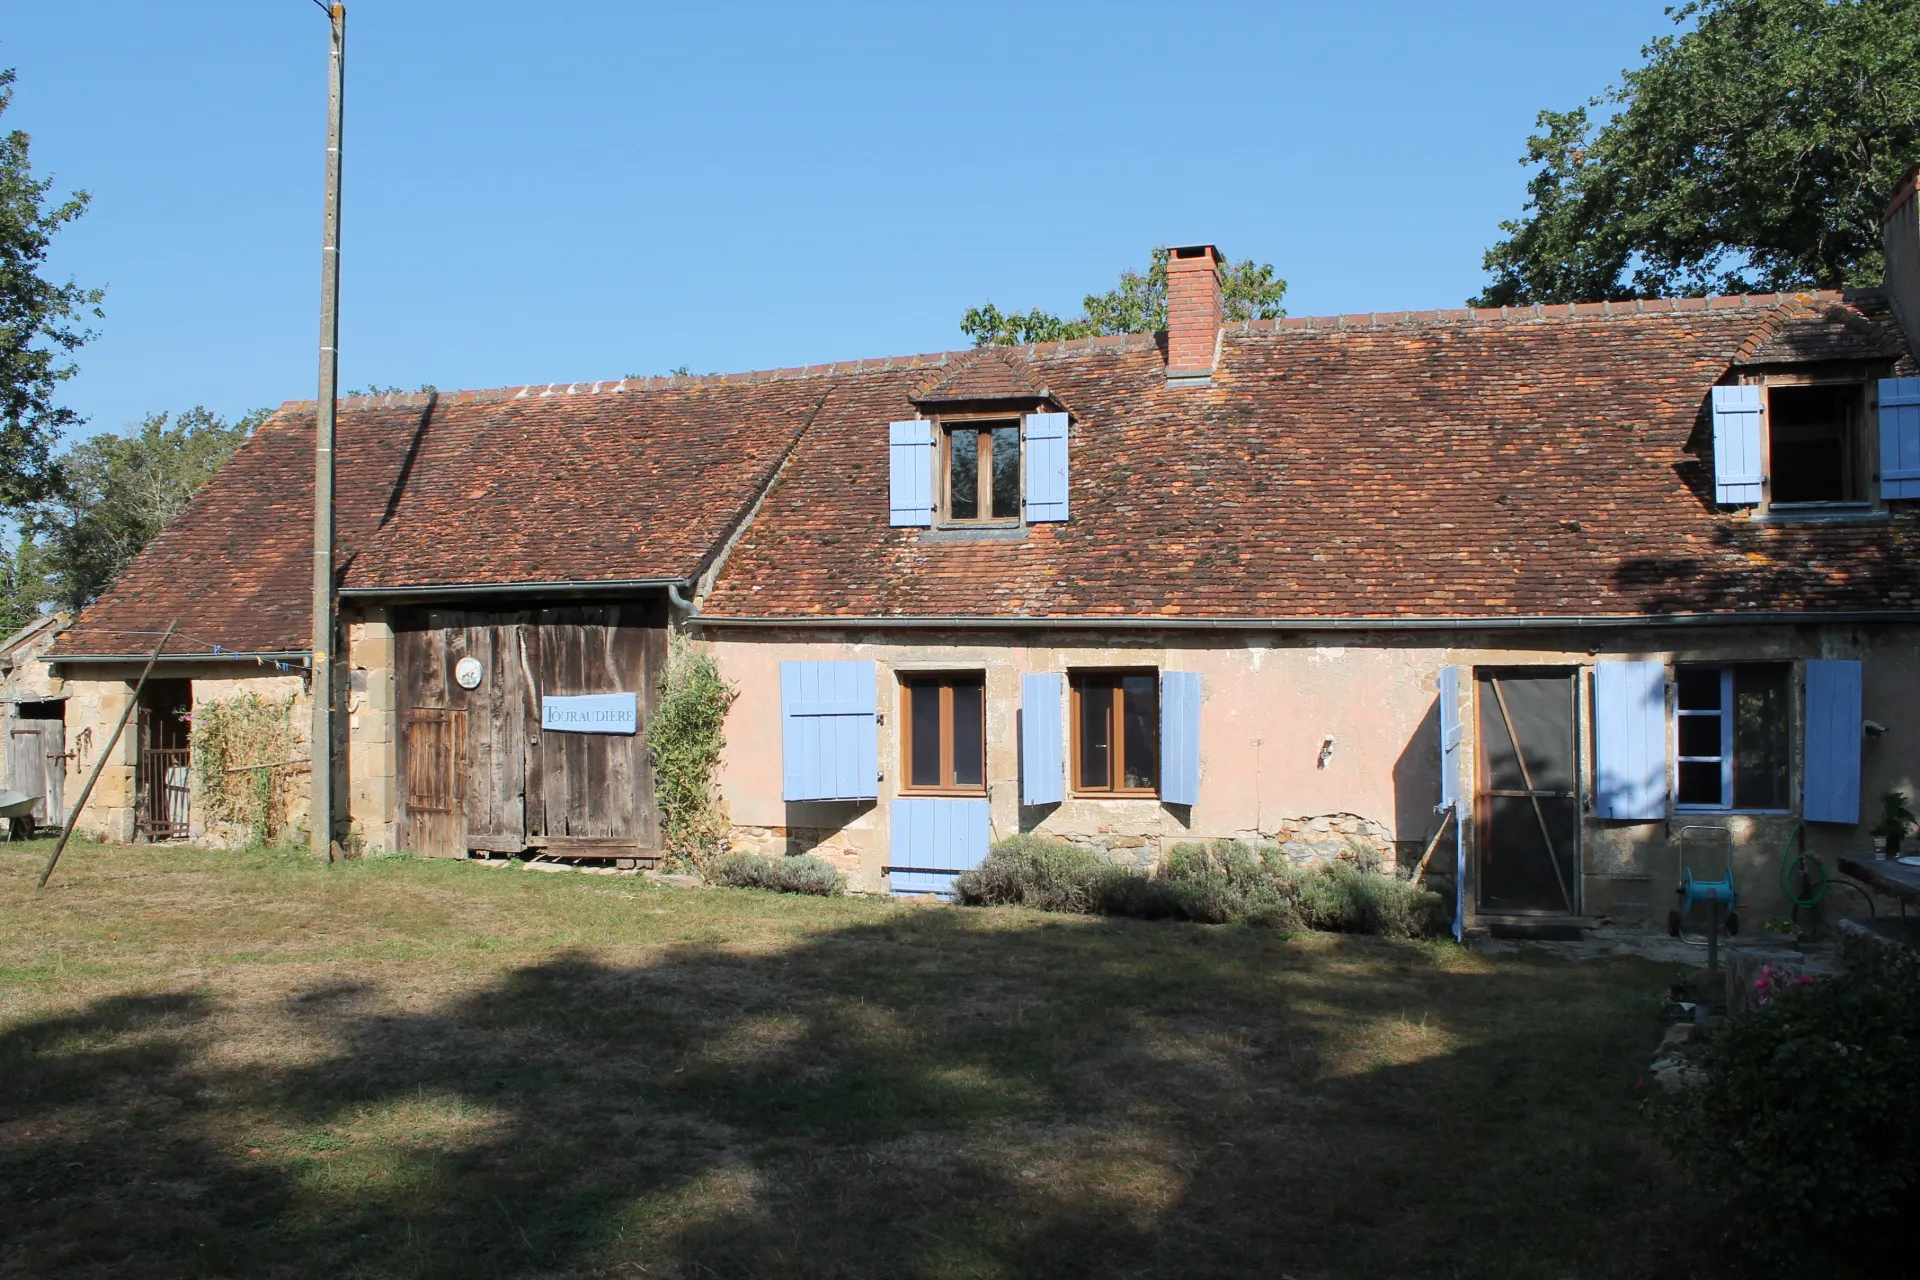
x: 434, y: 751
x: 37, y: 766
x: 519, y: 788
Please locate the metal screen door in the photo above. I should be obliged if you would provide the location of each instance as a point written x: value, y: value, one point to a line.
x: 1528, y: 802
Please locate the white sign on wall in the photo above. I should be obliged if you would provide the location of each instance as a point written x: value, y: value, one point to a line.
x: 591, y: 713
x: 466, y: 673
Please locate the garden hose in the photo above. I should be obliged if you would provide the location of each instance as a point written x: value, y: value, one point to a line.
x: 1791, y: 862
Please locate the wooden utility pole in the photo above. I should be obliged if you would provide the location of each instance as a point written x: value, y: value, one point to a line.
x: 324, y: 625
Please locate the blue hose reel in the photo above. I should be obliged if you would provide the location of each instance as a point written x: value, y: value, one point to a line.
x: 1717, y: 897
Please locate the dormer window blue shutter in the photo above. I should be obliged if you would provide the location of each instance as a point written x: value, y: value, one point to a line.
x: 1043, y: 757
x: 1900, y: 437
x: 829, y: 731
x: 1630, y: 741
x: 1451, y: 738
x: 1737, y: 473
x: 1046, y: 467
x: 910, y: 473
x: 1831, y: 787
x: 1180, y: 737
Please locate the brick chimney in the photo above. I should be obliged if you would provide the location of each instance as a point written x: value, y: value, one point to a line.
x: 1900, y: 240
x: 1193, y: 313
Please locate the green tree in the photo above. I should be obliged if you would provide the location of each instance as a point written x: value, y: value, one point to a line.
x: 1753, y: 151
x: 120, y: 490
x: 1137, y: 305
x: 23, y: 583
x: 41, y: 323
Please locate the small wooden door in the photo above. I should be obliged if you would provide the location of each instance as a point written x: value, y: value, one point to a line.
x: 37, y: 766
x: 435, y: 823
x: 1528, y: 802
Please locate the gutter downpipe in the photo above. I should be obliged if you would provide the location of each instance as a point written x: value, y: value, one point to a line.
x: 680, y: 602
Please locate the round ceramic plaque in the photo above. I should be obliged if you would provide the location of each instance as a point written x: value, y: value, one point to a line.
x: 467, y: 672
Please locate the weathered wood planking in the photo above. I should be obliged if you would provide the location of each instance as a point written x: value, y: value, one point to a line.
x: 520, y: 785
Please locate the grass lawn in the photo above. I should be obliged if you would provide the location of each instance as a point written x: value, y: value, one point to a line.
x: 247, y: 1064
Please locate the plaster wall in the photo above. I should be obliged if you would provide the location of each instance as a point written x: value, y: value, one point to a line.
x: 1270, y: 702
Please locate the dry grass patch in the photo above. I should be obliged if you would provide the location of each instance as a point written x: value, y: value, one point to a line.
x: 246, y: 1064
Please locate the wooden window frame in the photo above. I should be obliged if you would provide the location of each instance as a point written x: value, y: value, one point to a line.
x: 1116, y: 729
x: 1728, y: 758
x: 981, y: 423
x: 1863, y: 443
x: 946, y: 680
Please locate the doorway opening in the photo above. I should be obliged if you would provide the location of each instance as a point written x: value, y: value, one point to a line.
x: 163, y: 787
x: 1527, y: 804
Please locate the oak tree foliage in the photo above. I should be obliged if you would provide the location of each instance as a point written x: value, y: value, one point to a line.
x: 42, y: 322
x: 1138, y: 304
x: 1753, y: 151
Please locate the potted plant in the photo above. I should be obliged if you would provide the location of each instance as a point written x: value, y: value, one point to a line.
x: 1896, y: 819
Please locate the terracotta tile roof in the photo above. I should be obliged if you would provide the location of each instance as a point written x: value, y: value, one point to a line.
x: 1536, y: 462
x: 584, y: 483
x: 990, y: 374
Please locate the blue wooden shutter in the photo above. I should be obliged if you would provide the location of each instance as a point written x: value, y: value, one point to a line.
x: 1046, y: 467
x: 829, y: 734
x: 1832, y: 788
x: 1180, y: 737
x: 932, y: 841
x: 1042, y: 757
x: 1451, y: 738
x: 1900, y: 437
x: 910, y: 473
x: 1630, y: 740
x: 1736, y: 445
x: 1452, y: 789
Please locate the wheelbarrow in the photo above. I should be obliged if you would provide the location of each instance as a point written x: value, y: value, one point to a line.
x: 1716, y: 894
x: 17, y: 809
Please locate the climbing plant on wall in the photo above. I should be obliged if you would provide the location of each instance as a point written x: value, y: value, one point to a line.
x: 684, y: 740
x: 232, y: 734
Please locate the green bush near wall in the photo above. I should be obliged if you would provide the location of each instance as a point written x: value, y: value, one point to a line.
x: 685, y: 736
x: 806, y: 873
x: 1216, y: 883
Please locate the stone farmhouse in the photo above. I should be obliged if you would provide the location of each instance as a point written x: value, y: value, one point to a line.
x: 1541, y: 588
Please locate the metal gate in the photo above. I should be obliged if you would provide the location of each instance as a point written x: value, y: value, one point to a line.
x: 1528, y: 802
x: 165, y: 794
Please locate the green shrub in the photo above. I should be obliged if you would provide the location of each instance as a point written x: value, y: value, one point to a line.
x: 805, y: 873
x: 1807, y: 1117
x: 684, y: 741
x: 1216, y: 883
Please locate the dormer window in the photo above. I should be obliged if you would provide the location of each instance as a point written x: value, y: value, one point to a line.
x: 1815, y: 444
x: 980, y: 464
x: 1817, y: 439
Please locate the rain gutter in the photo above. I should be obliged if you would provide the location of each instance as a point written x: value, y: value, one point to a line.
x: 1083, y: 622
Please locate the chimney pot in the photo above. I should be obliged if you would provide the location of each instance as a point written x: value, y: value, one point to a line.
x: 1195, y: 307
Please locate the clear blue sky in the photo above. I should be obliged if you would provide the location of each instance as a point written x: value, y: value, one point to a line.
x: 582, y: 189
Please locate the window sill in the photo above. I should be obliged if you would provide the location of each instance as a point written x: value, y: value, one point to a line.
x: 1694, y: 811
x: 942, y: 793
x: 1821, y: 513
x: 1115, y: 795
x: 975, y: 533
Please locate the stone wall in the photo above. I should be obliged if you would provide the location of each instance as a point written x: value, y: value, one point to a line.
x: 372, y: 736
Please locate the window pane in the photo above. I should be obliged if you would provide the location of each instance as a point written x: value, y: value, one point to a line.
x: 1141, y: 709
x: 923, y: 770
x: 1006, y: 472
x: 969, y: 707
x: 1699, y: 688
x: 1700, y: 783
x: 1096, y: 720
x: 1811, y: 443
x: 1700, y: 736
x: 1760, y: 737
x: 963, y: 475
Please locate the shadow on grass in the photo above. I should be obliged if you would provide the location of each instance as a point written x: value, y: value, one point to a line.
x: 921, y: 1097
